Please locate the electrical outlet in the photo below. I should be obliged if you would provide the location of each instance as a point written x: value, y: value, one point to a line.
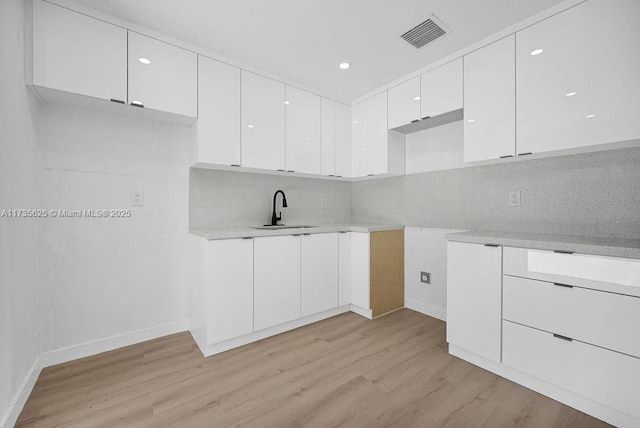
x: 425, y: 277
x: 514, y: 198
x: 137, y: 198
x: 323, y: 203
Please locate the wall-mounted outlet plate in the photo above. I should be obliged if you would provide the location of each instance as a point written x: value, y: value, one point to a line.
x: 425, y: 277
x: 323, y: 203
x: 137, y: 198
x: 514, y: 198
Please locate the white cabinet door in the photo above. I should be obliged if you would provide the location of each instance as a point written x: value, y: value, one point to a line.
x: 302, y: 131
x: 359, y: 135
x: 404, y: 103
x: 474, y: 298
x: 342, y: 140
x: 169, y: 79
x: 489, y: 101
x: 276, y: 285
x: 327, y: 136
x: 216, y: 134
x: 75, y: 53
x: 584, y: 88
x: 441, y: 89
x: 360, y: 277
x: 229, y: 289
x: 344, y: 268
x: 319, y: 273
x: 376, y: 143
x: 263, y: 122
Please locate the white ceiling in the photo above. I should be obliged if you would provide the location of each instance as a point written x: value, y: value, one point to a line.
x: 305, y: 40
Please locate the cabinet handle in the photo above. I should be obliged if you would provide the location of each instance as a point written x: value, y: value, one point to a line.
x: 235, y: 164
x: 306, y: 234
x: 113, y: 100
x: 559, y: 336
x: 416, y: 120
x: 297, y: 234
x: 339, y: 176
x: 331, y: 175
x: 525, y: 154
x: 247, y: 237
x: 426, y: 117
x: 370, y: 175
x: 290, y: 170
x: 562, y: 252
x: 506, y: 156
x: 562, y: 285
x: 140, y: 105
x: 491, y: 245
x: 281, y: 170
x: 343, y: 232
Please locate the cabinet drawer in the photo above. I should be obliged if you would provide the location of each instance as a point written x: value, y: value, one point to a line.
x: 613, y: 274
x: 604, y: 319
x: 604, y: 376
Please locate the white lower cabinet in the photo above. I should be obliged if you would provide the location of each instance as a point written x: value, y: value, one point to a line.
x: 319, y: 273
x: 360, y: 273
x: 229, y: 289
x: 344, y: 268
x: 276, y: 283
x: 474, y: 298
x: 606, y: 377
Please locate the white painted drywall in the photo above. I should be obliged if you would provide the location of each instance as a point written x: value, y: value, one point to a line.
x: 104, y: 279
x: 425, y: 250
x: 19, y: 348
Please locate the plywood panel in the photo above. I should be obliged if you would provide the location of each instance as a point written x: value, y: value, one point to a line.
x: 387, y: 271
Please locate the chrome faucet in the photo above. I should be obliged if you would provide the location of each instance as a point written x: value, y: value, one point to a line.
x: 275, y: 218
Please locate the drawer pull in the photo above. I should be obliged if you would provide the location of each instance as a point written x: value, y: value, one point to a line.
x: 562, y: 252
x: 491, y: 245
x: 416, y: 120
x: 562, y: 285
x: 525, y: 154
x: 559, y: 336
x: 113, y: 100
x: 247, y: 237
x: 506, y: 156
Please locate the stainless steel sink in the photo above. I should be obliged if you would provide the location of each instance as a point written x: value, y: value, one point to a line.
x: 269, y: 227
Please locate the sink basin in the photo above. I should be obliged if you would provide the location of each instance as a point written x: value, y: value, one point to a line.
x: 269, y: 227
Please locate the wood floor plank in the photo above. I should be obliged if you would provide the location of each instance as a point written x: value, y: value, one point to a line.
x: 345, y: 371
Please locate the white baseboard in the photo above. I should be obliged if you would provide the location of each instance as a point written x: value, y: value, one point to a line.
x: 216, y: 348
x: 12, y: 413
x: 426, y: 309
x: 87, y: 349
x: 367, y: 313
x: 597, y: 410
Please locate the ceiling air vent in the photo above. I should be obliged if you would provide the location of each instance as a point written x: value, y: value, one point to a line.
x: 425, y: 32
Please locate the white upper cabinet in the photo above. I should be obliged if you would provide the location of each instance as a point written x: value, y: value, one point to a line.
x: 263, y: 122
x: 215, y: 137
x: 75, y: 53
x: 489, y: 101
x: 359, y: 136
x: 342, y: 140
x: 441, y: 89
x: 162, y: 76
x: 302, y: 131
x: 328, y: 136
x: 319, y: 273
x: 583, y: 86
x: 404, y: 103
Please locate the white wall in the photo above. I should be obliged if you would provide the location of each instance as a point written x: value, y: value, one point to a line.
x: 105, y: 280
x: 19, y: 348
x: 425, y: 250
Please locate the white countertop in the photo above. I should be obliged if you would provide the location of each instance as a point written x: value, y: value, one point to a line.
x: 613, y: 247
x: 234, y: 232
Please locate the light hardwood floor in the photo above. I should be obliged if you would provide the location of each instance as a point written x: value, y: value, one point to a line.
x: 344, y: 371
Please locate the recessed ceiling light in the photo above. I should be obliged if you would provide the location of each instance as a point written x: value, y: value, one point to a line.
x: 286, y: 102
x: 570, y: 94
x: 355, y: 121
x: 589, y: 116
x: 306, y: 138
x: 344, y: 65
x: 416, y: 98
x: 537, y: 52
x: 471, y: 120
x: 249, y: 126
x: 145, y: 61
